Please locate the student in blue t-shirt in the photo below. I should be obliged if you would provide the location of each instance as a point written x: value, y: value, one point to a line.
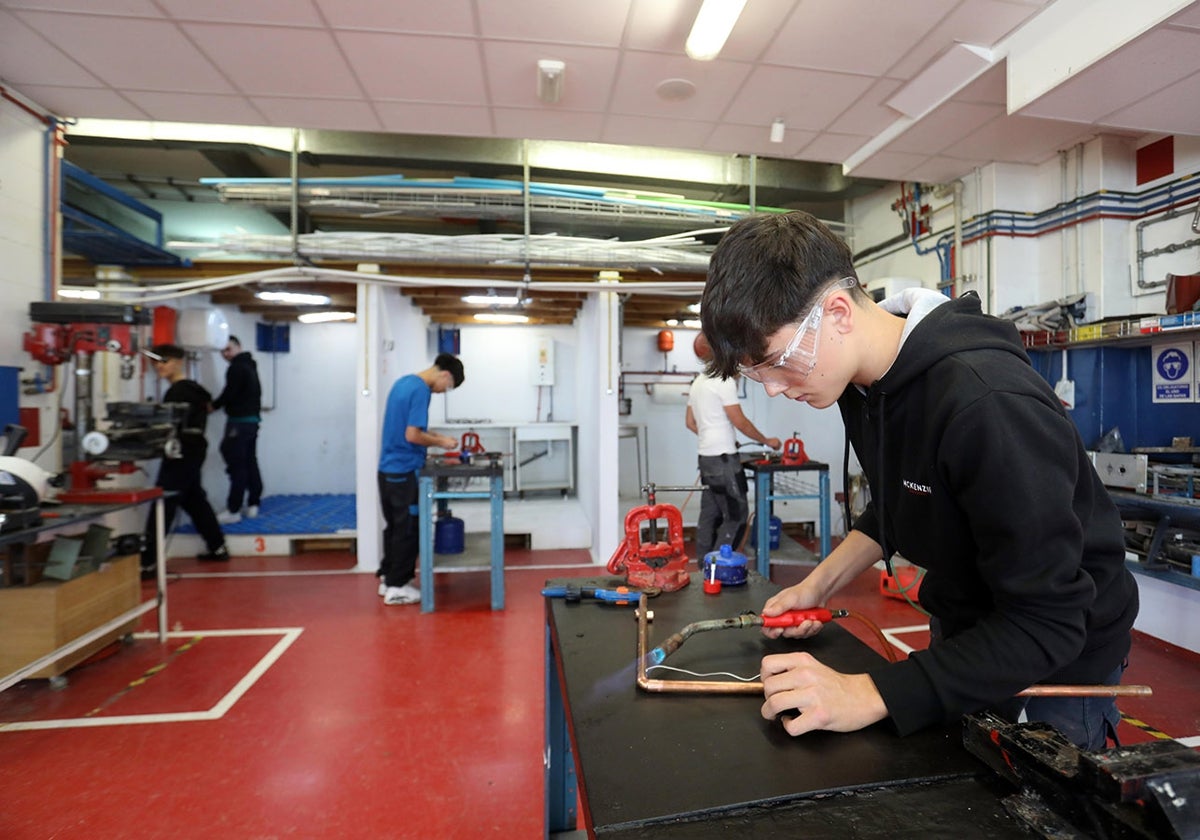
x: 402, y: 454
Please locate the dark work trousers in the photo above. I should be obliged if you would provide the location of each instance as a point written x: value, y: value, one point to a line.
x: 1087, y: 722
x: 239, y: 449
x: 723, y: 506
x: 182, y: 475
x: 401, y: 543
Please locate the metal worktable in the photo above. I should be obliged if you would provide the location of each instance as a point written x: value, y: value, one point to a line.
x: 708, y: 766
x: 434, y: 485
x: 777, y: 481
x: 58, y: 517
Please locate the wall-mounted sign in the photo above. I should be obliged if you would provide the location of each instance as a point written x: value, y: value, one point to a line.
x: 1174, y: 372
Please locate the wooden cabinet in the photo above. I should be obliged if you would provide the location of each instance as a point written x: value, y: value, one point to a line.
x: 37, y: 620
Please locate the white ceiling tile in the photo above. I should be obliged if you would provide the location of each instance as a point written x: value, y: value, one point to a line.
x: 868, y: 114
x: 512, y: 74
x: 660, y: 25
x: 83, y: 102
x: 829, y: 147
x: 716, y: 82
x: 127, y: 8
x: 1017, y: 139
x: 991, y: 88
x: 416, y: 68
x: 546, y: 124
x: 887, y: 164
x: 756, y: 139
x: 1161, y: 112
x: 278, y: 12
x: 941, y: 170
x: 944, y: 127
x: 271, y: 61
x: 596, y: 22
x: 442, y: 17
x: 309, y: 112
x: 668, y: 133
x: 1188, y: 17
x: 980, y: 22
x: 128, y: 53
x: 809, y: 99
x: 1156, y: 60
x: 424, y: 118
x: 26, y: 57
x: 854, y: 36
x: 196, y: 107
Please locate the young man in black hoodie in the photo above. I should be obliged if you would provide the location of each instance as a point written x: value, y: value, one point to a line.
x: 242, y: 400
x: 182, y: 475
x: 977, y: 474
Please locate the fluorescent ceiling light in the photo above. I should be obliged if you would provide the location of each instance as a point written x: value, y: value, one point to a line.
x: 713, y: 24
x: 492, y: 300
x: 694, y: 308
x: 324, y: 317
x: 501, y: 318
x: 298, y: 298
x: 691, y: 323
x: 79, y: 294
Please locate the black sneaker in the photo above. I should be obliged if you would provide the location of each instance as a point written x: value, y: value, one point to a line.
x: 221, y: 554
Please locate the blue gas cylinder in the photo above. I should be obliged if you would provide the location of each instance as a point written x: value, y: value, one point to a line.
x: 449, y: 536
x: 774, y: 529
x: 730, y: 566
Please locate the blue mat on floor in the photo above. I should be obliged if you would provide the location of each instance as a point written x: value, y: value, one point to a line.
x: 318, y: 513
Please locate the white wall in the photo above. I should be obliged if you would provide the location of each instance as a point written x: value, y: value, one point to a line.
x: 23, y: 263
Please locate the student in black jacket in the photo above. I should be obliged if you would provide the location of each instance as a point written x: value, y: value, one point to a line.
x: 242, y: 400
x: 182, y: 475
x: 976, y: 473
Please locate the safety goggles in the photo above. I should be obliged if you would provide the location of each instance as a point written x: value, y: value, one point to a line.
x: 799, y: 357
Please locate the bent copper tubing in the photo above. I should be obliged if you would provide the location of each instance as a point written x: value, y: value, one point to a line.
x: 672, y: 644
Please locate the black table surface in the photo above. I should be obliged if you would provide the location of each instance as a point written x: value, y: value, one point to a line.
x: 779, y: 466
x: 649, y: 763
x: 481, y: 468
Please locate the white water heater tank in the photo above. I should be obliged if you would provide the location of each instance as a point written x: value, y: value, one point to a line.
x: 202, y: 329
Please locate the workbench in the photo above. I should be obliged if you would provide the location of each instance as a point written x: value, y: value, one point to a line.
x: 435, y: 485
x: 64, y: 518
x: 775, y: 481
x: 699, y: 766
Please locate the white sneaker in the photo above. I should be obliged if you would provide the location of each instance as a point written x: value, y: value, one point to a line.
x: 226, y: 517
x: 252, y: 511
x: 407, y: 594
x: 383, y: 588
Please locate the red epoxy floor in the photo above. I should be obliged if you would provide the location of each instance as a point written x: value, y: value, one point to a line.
x: 376, y: 721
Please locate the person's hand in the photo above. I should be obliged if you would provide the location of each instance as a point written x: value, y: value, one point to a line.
x: 807, y: 695
x: 773, y: 443
x: 798, y: 597
x: 448, y: 442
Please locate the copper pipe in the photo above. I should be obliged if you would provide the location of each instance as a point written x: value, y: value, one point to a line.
x: 673, y: 643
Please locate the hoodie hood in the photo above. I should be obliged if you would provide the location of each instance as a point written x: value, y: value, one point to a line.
x: 943, y: 327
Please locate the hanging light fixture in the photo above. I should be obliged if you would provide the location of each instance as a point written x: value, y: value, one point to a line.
x: 295, y: 298
x: 550, y: 79
x: 713, y: 24
x: 492, y: 299
x: 777, y: 129
x: 501, y: 318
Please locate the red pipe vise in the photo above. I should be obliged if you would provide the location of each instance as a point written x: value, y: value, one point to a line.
x: 652, y: 564
x: 793, y: 452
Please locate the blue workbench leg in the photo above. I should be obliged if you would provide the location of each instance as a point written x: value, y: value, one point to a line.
x: 825, y: 526
x: 425, y: 537
x: 559, y: 763
x: 497, y: 496
x: 762, y: 521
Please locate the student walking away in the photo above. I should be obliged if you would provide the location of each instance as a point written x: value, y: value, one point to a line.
x: 242, y: 401
x: 976, y: 473
x: 181, y: 476
x: 402, y: 454
x: 715, y: 416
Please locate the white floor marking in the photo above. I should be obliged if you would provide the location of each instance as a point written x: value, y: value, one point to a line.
x: 289, y: 635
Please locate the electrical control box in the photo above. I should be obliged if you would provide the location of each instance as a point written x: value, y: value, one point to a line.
x: 543, y: 368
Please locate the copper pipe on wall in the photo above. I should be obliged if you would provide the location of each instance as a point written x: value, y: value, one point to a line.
x: 646, y: 683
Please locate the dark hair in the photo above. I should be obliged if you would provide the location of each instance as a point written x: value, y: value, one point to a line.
x: 765, y: 272
x: 168, y: 351
x: 233, y: 339
x: 445, y: 361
